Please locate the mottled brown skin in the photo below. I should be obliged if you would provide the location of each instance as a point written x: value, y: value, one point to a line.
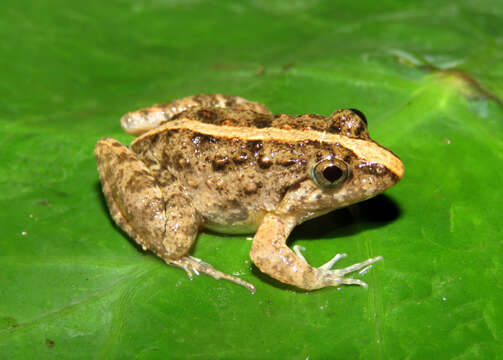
x: 230, y: 165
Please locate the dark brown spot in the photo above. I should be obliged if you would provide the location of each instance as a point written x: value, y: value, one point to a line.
x: 287, y: 162
x: 296, y: 185
x: 373, y: 169
x: 254, y: 146
x: 262, y: 121
x: 154, y: 138
x: 229, y: 100
x: 123, y: 156
x: 207, y: 139
x: 207, y: 115
x: 241, y: 159
x: 358, y: 131
x: 264, y: 162
x: 220, y: 163
x: 183, y: 162
x: 132, y: 185
x: 287, y: 188
x: 394, y: 178
x: 334, y: 129
x: 150, y: 162
x: 141, y: 173
x: 176, y: 116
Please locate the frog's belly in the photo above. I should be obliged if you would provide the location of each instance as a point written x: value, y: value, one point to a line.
x: 227, y: 224
x: 231, y: 228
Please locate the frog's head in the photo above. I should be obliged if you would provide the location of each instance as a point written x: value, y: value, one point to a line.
x: 353, y: 168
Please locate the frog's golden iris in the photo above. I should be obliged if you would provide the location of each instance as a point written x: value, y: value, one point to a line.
x: 330, y: 173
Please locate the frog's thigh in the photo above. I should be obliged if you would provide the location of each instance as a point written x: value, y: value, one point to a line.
x: 213, y: 100
x: 163, y: 222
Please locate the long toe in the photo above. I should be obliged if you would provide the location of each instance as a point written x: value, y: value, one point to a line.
x: 328, y: 265
x: 357, y: 266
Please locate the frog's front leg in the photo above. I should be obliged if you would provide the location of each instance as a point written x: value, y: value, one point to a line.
x: 272, y: 256
x: 162, y: 221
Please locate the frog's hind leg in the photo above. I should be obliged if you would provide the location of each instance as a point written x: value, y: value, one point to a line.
x: 140, y: 121
x: 162, y: 221
x: 134, y: 200
x: 193, y: 265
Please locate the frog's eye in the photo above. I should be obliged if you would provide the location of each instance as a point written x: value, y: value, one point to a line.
x: 360, y: 115
x: 330, y: 173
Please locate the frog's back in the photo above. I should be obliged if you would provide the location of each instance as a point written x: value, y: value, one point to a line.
x: 213, y: 140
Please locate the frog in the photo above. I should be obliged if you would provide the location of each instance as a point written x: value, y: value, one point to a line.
x: 229, y: 165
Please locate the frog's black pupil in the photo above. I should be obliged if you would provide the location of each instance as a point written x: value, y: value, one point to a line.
x: 360, y: 114
x: 332, y: 173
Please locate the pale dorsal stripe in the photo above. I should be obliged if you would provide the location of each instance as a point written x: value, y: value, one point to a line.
x: 364, y: 149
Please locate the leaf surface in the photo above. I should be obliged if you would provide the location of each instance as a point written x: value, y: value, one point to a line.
x: 428, y: 76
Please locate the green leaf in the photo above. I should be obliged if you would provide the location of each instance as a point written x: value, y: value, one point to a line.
x: 429, y: 77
